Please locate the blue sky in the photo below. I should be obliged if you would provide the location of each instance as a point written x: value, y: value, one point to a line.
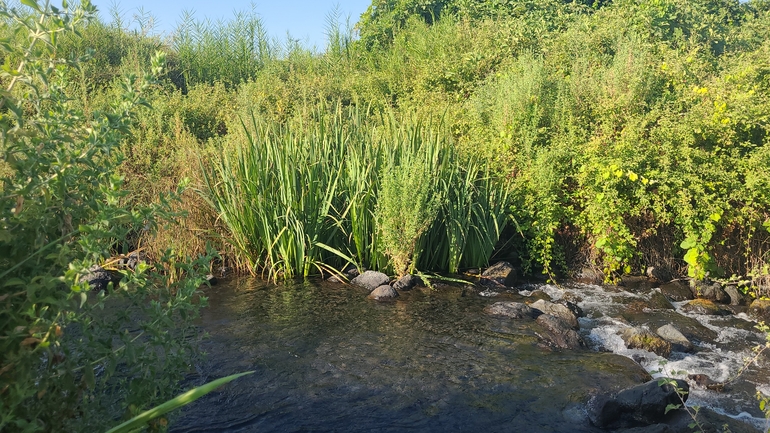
x: 303, y: 19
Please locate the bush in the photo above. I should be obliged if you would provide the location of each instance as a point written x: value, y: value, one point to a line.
x: 73, y: 358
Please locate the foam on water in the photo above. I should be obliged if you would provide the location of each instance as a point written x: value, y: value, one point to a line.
x: 714, y: 359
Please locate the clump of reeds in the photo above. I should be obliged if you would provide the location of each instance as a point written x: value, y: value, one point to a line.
x: 389, y: 194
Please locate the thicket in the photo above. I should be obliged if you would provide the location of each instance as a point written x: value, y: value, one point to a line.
x: 620, y: 134
x: 73, y: 358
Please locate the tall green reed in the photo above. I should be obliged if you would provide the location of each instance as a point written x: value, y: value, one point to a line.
x: 346, y: 186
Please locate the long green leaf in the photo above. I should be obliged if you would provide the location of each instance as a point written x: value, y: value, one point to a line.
x: 188, y: 397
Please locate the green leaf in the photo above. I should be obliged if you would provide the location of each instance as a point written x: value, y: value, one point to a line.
x: 14, y: 282
x: 671, y: 407
x: 188, y: 397
x: 31, y: 3
x: 88, y: 376
x: 715, y: 216
x: 688, y: 243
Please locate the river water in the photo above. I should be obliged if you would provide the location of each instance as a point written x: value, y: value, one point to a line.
x: 328, y: 359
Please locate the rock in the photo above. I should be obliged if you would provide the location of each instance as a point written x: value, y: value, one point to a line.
x: 658, y: 274
x: 639, y: 406
x: 559, y: 333
x: 384, y: 292
x: 407, y: 282
x: 132, y: 260
x: 539, y: 294
x: 590, y: 275
x: 707, y: 289
x: 98, y: 278
x: 703, y: 381
x: 558, y: 310
x: 705, y: 307
x: 211, y: 280
x: 736, y: 296
x: 659, y: 301
x: 371, y: 280
x: 513, y: 310
x: 636, y: 283
x: 760, y: 310
x: 678, y: 341
x: 676, y: 291
x: 655, y: 428
x: 501, y: 272
x: 639, y: 338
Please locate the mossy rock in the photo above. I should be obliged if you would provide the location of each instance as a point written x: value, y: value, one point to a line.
x: 705, y: 307
x: 760, y: 310
x: 637, y: 338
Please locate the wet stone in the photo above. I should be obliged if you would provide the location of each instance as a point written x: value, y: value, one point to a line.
x: 760, y: 310
x: 736, y: 296
x: 502, y: 273
x: 513, y: 310
x: 705, y: 307
x: 383, y: 292
x: 639, y: 406
x: 639, y: 338
x: 707, y: 289
x: 676, y: 291
x: 559, y: 333
x: 558, y: 310
x: 679, y: 342
x: 658, y: 274
x: 635, y: 284
x: 407, y: 282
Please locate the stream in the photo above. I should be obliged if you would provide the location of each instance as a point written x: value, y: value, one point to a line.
x: 326, y: 358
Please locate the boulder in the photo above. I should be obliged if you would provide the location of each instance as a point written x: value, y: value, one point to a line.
x: 559, y: 333
x: 659, y: 301
x: 736, y: 296
x: 678, y: 341
x: 703, y: 381
x: 513, y: 310
x: 558, y: 310
x: 636, y: 283
x: 384, y: 292
x: 658, y: 274
x: 760, y: 310
x: 407, y: 282
x: 589, y: 275
x: 98, y: 278
x: 639, y: 338
x: 539, y: 294
x: 710, y: 290
x: 501, y: 272
x: 705, y: 307
x: 676, y: 291
x: 371, y: 280
x: 655, y: 428
x: 639, y: 406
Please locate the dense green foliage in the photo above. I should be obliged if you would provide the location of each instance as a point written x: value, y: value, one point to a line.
x: 73, y: 359
x: 622, y: 135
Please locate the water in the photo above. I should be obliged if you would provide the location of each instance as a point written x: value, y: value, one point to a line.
x: 328, y: 359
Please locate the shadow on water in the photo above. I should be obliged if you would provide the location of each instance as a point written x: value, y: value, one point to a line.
x: 328, y: 359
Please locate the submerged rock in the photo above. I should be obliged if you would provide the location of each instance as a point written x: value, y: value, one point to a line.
x: 371, y: 280
x: 639, y: 406
x: 558, y: 310
x: 559, y: 333
x: 407, y: 282
x: 639, y: 338
x: 502, y: 273
x: 678, y: 341
x: 383, y: 292
x: 705, y: 307
x: 513, y: 310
